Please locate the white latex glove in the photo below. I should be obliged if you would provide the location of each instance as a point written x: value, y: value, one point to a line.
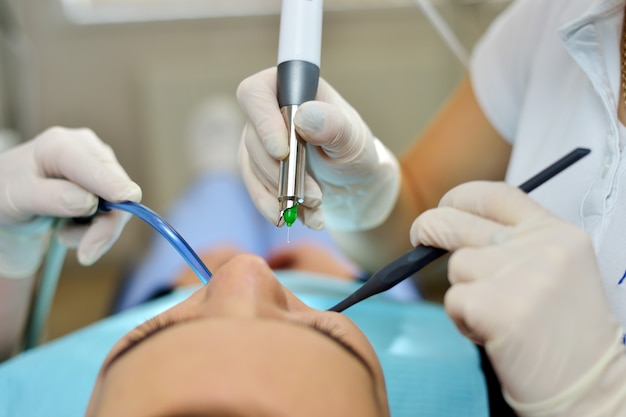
x: 527, y: 286
x: 59, y: 174
x: 358, y: 177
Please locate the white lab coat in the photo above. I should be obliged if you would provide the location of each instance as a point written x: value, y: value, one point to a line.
x: 547, y: 75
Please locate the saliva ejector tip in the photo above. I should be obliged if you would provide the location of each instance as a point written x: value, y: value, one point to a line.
x: 290, y: 215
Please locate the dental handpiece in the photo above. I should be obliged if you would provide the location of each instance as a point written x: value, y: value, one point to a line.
x: 420, y: 256
x: 299, y: 49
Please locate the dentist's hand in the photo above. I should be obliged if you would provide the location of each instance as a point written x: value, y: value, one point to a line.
x: 527, y: 286
x: 358, y: 177
x: 59, y: 174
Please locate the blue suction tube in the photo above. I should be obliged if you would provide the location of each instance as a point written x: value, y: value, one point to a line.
x: 45, y: 292
x: 166, y: 230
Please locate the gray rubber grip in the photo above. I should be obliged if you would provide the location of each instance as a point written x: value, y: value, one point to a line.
x: 297, y: 82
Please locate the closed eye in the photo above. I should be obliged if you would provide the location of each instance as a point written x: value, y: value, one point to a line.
x: 156, y: 324
x: 335, y: 333
x: 140, y: 334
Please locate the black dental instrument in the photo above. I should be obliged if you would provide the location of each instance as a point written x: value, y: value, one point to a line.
x: 299, y: 49
x: 420, y: 256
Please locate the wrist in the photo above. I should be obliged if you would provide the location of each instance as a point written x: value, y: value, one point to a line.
x: 599, y: 392
x: 22, y: 247
x: 367, y: 203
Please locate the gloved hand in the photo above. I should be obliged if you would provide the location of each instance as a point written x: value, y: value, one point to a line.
x: 59, y: 173
x: 527, y: 286
x: 358, y: 177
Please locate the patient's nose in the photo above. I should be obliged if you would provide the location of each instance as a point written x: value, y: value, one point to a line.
x: 245, y: 285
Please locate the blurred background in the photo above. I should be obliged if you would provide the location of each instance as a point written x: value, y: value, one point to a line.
x: 135, y: 70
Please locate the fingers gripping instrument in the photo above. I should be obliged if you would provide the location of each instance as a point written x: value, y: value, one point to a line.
x: 299, y: 49
x: 420, y: 256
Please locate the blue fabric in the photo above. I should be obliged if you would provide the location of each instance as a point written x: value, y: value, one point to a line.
x: 430, y: 369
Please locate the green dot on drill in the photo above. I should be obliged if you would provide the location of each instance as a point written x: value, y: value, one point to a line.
x: 290, y: 215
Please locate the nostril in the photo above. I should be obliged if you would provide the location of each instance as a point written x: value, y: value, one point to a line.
x: 248, y: 278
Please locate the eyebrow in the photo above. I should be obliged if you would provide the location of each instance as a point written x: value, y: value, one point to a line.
x: 347, y: 347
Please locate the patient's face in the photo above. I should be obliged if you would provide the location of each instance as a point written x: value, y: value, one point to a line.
x: 242, y: 345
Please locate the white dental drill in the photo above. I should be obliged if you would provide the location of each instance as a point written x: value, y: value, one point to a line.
x: 299, y: 50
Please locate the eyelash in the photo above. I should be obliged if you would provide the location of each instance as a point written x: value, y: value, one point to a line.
x: 333, y: 330
x: 321, y: 324
x: 155, y: 324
